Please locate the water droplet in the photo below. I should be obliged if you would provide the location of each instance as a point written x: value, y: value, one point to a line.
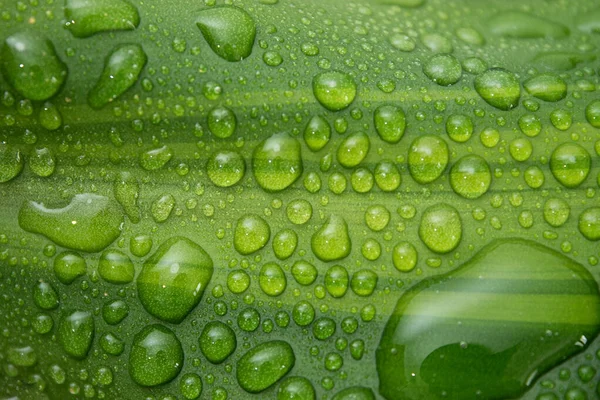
x: 390, y: 123
x: 296, y: 388
x: 437, y: 43
x: 592, y: 113
x: 303, y: 313
x: 534, y: 177
x: 489, y: 137
x: 264, y: 365
x: 427, y: 158
x: 387, y: 176
x: 443, y: 69
x: 570, y: 164
x: 89, y: 223
x: 547, y: 87
x: 112, y: 344
x: 304, y: 272
x: 115, y: 312
x: 225, y: 168
x: 277, y: 162
x: 440, y: 228
x: 162, y: 207
x: 589, y: 21
x: 363, y: 282
x: 336, y: 281
x: 272, y: 279
x: 488, y: 312
x: 174, y: 278
x: 470, y: 36
x: 474, y: 65
x: 190, y: 386
x: 589, y: 223
x: 353, y: 149
x: 156, y: 356
x: 86, y: 18
x: 377, y: 217
x: 561, y: 119
x: 217, y: 341
x: 272, y: 58
x: 50, y: 117
x: 221, y: 122
x: 332, y: 241
x: 76, y: 333
x: 530, y: 125
x: 404, y: 257
x: 499, y: 88
x: 116, y: 267
x: 299, y: 211
x: 127, y: 190
x: 11, y: 162
x: 402, y: 42
x: 520, y: 149
x: 69, y: 266
x: 238, y: 281
x: 556, y: 212
x: 21, y: 356
x: 317, y: 133
x: 157, y: 158
x: 122, y: 69
x: 140, y: 245
x: 45, y: 296
x: 251, y: 234
x: 42, y: 324
x: 354, y: 393
x: 30, y: 64
x: 459, y: 127
x: 284, y: 243
x: 335, y: 90
x: 229, y: 31
x: 521, y: 25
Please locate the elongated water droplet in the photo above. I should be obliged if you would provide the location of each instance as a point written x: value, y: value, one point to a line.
x: 88, y: 17
x: 264, y: 365
x: 127, y: 191
x: 522, y: 25
x: 11, y: 162
x: 547, y: 87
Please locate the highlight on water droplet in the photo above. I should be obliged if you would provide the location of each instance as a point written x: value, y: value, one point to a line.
x: 88, y: 17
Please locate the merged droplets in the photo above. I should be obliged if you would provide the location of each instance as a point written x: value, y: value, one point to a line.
x: 427, y: 158
x: 251, y: 234
x: 86, y: 18
x: 499, y: 88
x: 122, y: 69
x: 30, y: 64
x: 440, y: 228
x: 229, y: 31
x: 156, y: 356
x: 225, y: 168
x: 570, y: 164
x: 277, y: 162
x: 335, y: 90
x: 470, y: 176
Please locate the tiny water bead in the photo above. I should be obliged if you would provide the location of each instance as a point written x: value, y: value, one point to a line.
x: 251, y: 234
x: 589, y: 223
x: 390, y: 123
x: 264, y: 365
x: 443, y: 69
x: 353, y: 149
x: 272, y: 279
x: 122, y: 69
x: 459, y: 127
x: 174, y: 278
x: 304, y: 272
x: 336, y: 281
x: 317, y: 133
x: 30, y: 64
x: 335, y: 90
x: 440, y: 228
x: 156, y: 356
x: 69, y: 266
x: 499, y: 88
x: 217, y: 341
x: 470, y: 177
x: 427, y: 158
x: 229, y: 31
x: 570, y: 164
x: 332, y: 241
x: 277, y: 162
x: 404, y: 257
x: 221, y: 122
x: 86, y: 18
x: 225, y: 168
x: 11, y: 162
x: 547, y: 87
x: 115, y: 266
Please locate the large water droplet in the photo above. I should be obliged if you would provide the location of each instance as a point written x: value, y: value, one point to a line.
x: 491, y: 327
x: 88, y: 17
x: 517, y: 24
x: 332, y: 241
x: 76, y: 333
x: 69, y: 266
x: 115, y: 266
x: 89, y: 223
x: 174, y: 278
x: 440, y: 228
x: 470, y: 176
x: 570, y: 164
x: 30, y: 64
x: 499, y: 88
x: 277, y: 162
x: 229, y: 31
x: 217, y: 341
x: 251, y: 234
x: 264, y: 365
x: 156, y: 356
x: 427, y: 158
x: 122, y: 69
x: 335, y: 90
